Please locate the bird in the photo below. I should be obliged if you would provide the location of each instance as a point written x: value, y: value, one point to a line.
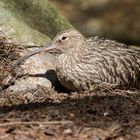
x: 83, y: 62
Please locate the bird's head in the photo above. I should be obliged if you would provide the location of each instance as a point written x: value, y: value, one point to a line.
x: 62, y: 43
x: 66, y: 40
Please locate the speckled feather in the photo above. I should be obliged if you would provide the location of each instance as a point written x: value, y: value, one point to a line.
x: 99, y: 61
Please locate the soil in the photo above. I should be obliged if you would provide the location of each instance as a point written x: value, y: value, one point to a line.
x: 42, y: 114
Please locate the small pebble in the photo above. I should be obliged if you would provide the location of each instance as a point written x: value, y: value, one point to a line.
x: 106, y: 114
x: 68, y: 131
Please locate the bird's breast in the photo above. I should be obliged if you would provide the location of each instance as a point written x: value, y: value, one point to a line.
x: 71, y: 72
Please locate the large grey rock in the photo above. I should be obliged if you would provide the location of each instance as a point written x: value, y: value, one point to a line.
x: 37, y: 70
x: 17, y: 30
x: 40, y: 15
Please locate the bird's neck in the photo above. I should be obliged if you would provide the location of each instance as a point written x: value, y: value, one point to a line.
x: 77, y: 51
x: 73, y: 56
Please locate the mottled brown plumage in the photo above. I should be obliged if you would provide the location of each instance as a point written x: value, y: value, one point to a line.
x: 83, y: 63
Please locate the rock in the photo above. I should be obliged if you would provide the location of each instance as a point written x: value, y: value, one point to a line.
x: 39, y: 15
x: 18, y: 31
x: 34, y: 72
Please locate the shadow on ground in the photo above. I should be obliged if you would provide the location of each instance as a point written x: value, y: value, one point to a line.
x: 90, y: 115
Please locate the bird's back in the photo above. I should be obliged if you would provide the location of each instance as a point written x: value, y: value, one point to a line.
x: 114, y: 62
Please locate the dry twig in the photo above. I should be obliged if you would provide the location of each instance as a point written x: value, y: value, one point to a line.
x: 35, y: 123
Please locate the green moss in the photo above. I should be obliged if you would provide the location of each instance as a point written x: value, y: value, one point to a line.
x: 19, y: 31
x: 39, y: 14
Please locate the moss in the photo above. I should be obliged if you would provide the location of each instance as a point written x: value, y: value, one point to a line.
x: 40, y: 15
x: 19, y: 31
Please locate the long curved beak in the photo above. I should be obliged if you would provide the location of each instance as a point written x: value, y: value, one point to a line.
x: 47, y: 48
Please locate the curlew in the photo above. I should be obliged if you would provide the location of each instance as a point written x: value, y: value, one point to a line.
x: 85, y: 62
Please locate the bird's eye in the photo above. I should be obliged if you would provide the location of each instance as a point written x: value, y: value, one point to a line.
x: 64, y: 38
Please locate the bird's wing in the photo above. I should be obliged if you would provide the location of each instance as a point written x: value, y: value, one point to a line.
x: 104, y: 43
x: 95, y: 43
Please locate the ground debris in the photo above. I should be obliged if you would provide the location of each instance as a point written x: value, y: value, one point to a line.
x: 48, y: 114
x: 44, y: 113
x: 7, y: 56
